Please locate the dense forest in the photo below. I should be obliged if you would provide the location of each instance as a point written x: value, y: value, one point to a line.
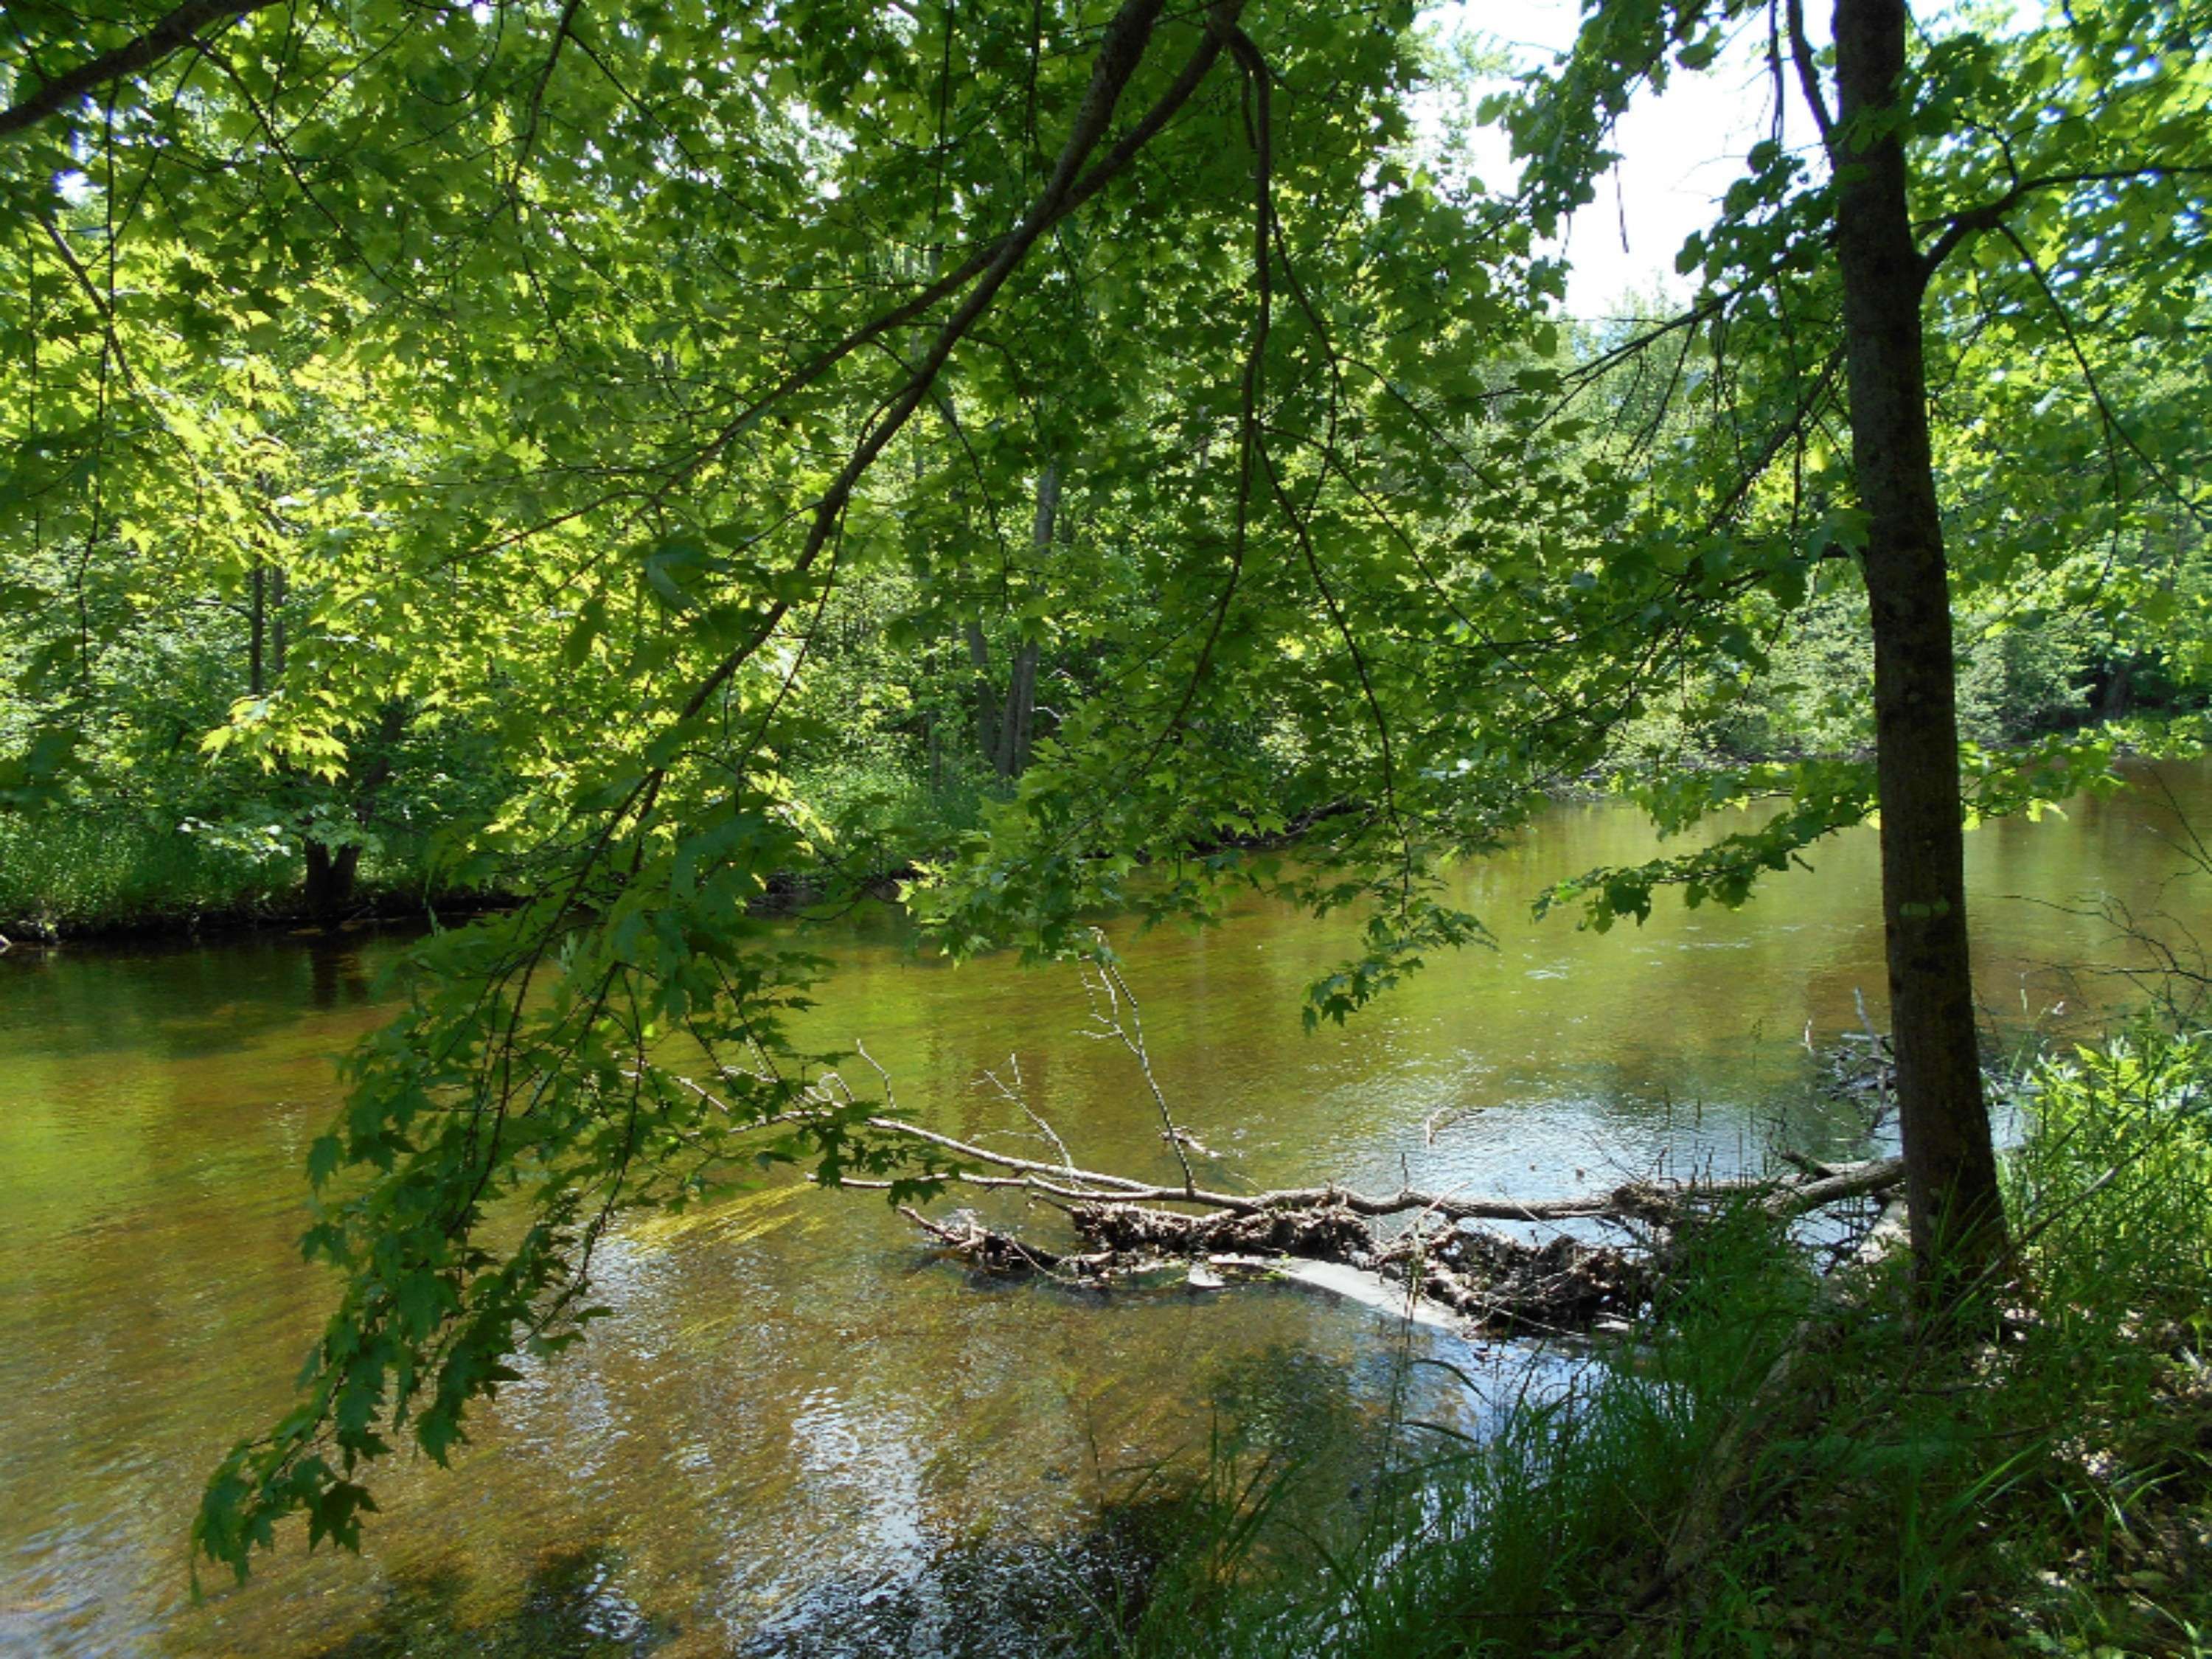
x: 604, y: 479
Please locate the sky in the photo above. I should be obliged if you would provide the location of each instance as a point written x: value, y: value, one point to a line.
x: 1679, y: 152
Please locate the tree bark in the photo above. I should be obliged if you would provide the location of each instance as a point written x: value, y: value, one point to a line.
x: 330, y: 872
x: 255, y: 679
x: 987, y: 701
x: 1957, y: 1218
x: 2119, y: 687
x: 171, y: 33
x: 280, y: 590
x: 1017, y: 725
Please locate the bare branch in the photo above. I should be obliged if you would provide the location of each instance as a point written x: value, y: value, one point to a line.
x: 1114, y: 990
x: 1808, y: 75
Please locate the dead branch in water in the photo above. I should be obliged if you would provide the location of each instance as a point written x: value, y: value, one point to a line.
x: 1439, y: 1246
x: 1650, y: 1201
x: 1493, y: 1280
x: 1136, y: 1229
x: 1665, y: 1203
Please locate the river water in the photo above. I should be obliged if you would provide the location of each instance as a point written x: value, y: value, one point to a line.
x: 798, y: 1434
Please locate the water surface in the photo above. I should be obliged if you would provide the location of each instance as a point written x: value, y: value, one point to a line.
x: 798, y: 1434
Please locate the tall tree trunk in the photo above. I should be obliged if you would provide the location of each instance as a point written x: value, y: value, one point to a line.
x: 1957, y: 1220
x: 255, y: 680
x: 280, y: 589
x: 987, y: 701
x: 331, y: 873
x: 1017, y: 726
x: 2119, y: 688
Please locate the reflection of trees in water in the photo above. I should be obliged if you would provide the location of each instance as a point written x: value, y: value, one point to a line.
x: 338, y: 977
x: 1006, y: 1597
x: 1000, y: 1598
x: 1012, y: 1595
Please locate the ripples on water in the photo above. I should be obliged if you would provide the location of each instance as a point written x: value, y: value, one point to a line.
x: 796, y: 1436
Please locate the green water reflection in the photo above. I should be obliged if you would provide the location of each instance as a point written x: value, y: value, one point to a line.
x: 796, y: 1435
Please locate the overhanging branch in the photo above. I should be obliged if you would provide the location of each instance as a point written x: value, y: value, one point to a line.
x: 171, y: 33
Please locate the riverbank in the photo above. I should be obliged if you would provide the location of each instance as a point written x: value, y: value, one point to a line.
x: 97, y: 876
x: 2042, y: 1487
x: 121, y: 878
x: 187, y: 926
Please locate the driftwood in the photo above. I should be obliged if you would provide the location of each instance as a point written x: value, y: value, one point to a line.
x: 1437, y: 1248
x: 1442, y: 1252
x: 1634, y: 1200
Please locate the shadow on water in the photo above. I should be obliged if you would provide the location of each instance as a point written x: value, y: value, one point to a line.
x: 981, y: 1601
x: 182, y: 1000
x: 1285, y: 1421
x: 338, y: 977
x: 570, y: 1609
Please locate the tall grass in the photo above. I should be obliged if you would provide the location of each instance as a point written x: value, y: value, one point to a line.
x: 1486, y: 1547
x: 89, y: 870
x: 78, y: 870
x: 2046, y: 1489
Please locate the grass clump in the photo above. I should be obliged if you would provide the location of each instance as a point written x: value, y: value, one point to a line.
x: 91, y: 869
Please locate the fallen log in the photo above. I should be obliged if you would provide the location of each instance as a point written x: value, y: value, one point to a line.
x: 1438, y: 1247
x: 1481, y: 1280
x: 1639, y: 1201
x: 1493, y: 1281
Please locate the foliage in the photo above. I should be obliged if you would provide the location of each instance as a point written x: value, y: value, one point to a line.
x: 117, y: 870
x: 607, y: 457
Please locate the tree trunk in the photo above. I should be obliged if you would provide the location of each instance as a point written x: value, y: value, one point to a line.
x: 255, y: 680
x: 1017, y: 725
x: 280, y: 589
x: 986, y: 703
x: 2119, y: 687
x: 1957, y: 1220
x: 331, y: 872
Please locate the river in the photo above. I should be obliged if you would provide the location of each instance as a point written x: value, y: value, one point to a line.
x: 797, y: 1434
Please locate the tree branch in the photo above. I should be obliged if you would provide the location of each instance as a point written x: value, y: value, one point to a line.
x: 2114, y: 431
x: 1809, y: 75
x: 1056, y: 205
x: 562, y: 31
x: 171, y: 33
x: 1783, y: 1197
x: 1989, y: 215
